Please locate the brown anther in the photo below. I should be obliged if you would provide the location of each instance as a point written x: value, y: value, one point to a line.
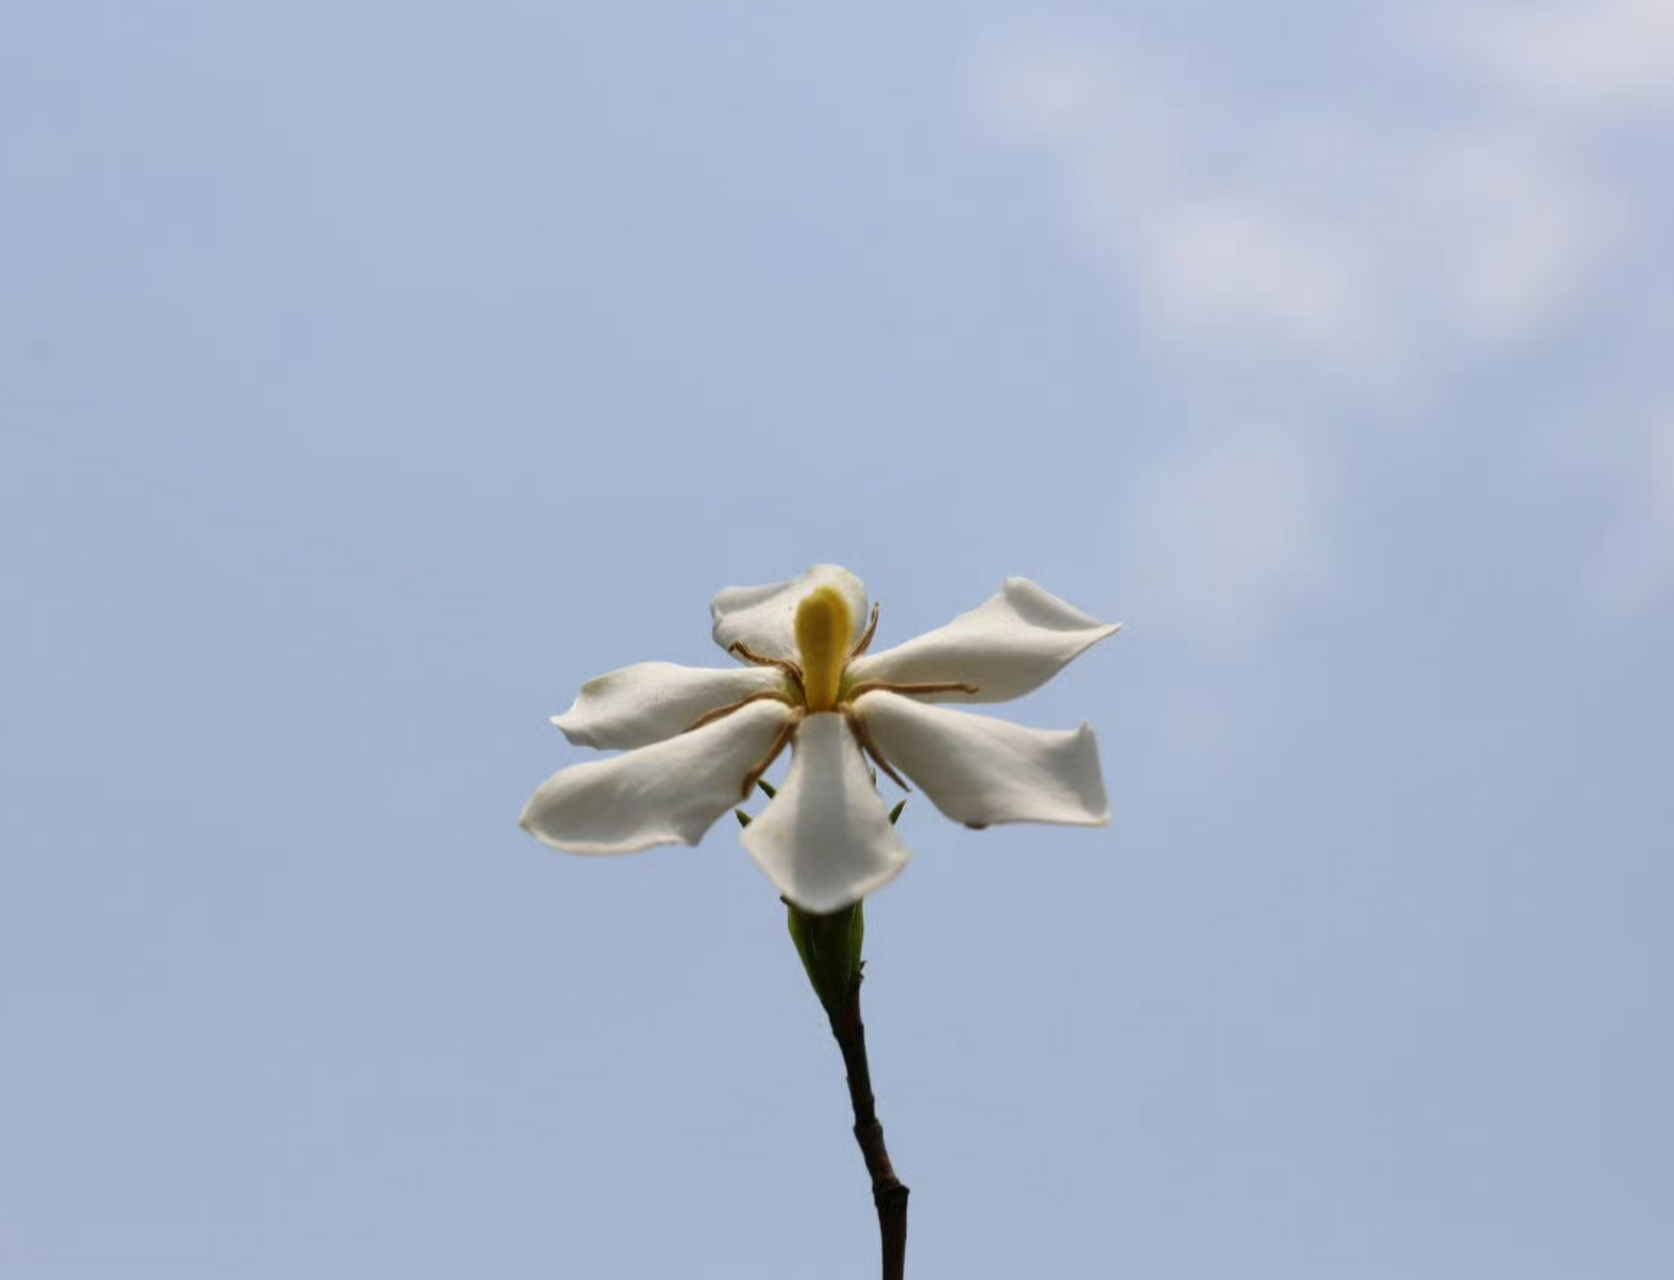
x: 863, y: 736
x: 719, y: 712
x: 911, y: 690
x: 742, y: 650
x: 780, y: 739
x: 865, y: 642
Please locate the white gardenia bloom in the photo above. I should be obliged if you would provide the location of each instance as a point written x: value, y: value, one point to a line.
x: 695, y: 741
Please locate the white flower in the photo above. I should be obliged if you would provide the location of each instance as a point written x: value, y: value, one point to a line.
x: 696, y: 740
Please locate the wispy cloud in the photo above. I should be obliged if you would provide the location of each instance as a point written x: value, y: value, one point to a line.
x: 1354, y: 244
x: 1610, y: 56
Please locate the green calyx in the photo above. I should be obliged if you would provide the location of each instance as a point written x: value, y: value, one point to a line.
x: 830, y: 947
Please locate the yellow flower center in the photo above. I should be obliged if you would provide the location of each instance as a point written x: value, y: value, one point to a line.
x: 825, y: 637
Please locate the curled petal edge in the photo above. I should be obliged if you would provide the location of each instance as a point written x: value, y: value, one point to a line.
x: 763, y: 618
x: 982, y: 771
x: 670, y: 792
x: 826, y: 840
x: 652, y: 701
x: 1008, y: 646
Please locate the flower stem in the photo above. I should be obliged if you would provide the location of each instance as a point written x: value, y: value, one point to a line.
x: 889, y: 1193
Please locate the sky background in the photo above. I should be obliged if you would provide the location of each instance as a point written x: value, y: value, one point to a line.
x: 371, y: 376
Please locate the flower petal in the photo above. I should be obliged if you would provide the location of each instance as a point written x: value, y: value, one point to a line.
x: 1009, y: 646
x: 979, y: 770
x: 764, y: 618
x: 826, y: 840
x: 651, y: 701
x: 667, y: 793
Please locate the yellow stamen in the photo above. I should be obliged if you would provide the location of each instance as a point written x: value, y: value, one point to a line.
x: 824, y: 634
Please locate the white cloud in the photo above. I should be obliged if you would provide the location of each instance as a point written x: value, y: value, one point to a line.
x: 1601, y: 55
x: 1331, y: 238
x: 1225, y: 538
x: 1356, y: 245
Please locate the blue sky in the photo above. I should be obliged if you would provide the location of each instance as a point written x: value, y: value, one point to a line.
x: 371, y: 377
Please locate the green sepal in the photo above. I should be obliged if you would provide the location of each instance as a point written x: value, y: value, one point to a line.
x: 830, y: 946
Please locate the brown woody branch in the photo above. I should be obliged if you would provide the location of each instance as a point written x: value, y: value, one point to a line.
x: 889, y: 1193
